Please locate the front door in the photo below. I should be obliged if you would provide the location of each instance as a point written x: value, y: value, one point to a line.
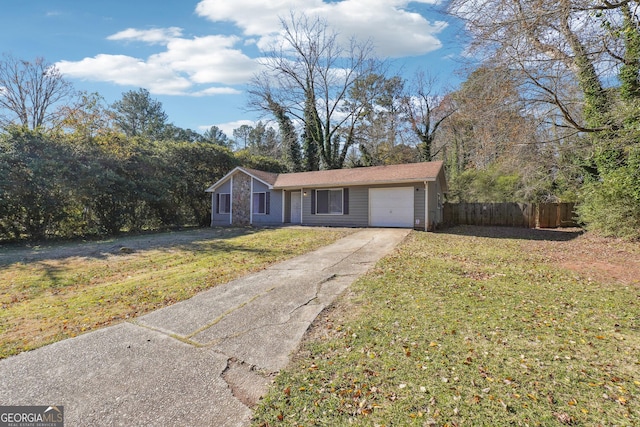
x: 296, y: 207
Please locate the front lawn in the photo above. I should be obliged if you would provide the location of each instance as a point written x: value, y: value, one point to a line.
x: 457, y: 329
x: 52, y: 293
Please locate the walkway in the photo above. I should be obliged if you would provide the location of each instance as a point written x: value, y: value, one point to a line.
x: 201, y: 362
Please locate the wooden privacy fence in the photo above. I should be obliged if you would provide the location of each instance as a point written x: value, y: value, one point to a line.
x: 528, y: 215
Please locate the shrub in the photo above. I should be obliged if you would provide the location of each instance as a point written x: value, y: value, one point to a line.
x: 611, y: 206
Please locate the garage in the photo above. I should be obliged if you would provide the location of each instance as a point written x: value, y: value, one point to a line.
x: 391, y: 207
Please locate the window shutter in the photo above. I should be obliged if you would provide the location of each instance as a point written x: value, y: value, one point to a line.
x: 217, y: 203
x: 345, y: 201
x: 313, y: 202
x: 267, y: 202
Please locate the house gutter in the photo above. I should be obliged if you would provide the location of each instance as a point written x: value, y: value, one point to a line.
x: 350, y: 184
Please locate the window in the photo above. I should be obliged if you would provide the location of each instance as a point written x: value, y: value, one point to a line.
x: 224, y: 203
x: 261, y: 203
x: 329, y: 202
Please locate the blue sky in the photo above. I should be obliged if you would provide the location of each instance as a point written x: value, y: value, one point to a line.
x: 197, y: 56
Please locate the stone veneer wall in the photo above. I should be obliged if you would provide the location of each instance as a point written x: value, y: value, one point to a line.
x: 241, y: 199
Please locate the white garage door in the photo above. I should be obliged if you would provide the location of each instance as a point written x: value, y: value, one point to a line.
x: 391, y: 207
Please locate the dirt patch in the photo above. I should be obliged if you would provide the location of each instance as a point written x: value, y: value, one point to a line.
x: 597, y: 258
x: 591, y: 256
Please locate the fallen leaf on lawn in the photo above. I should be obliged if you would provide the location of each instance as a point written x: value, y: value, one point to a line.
x: 563, y: 418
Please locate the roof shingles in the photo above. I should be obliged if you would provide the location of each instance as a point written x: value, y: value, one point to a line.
x: 267, y: 177
x: 392, y: 174
x: 411, y: 172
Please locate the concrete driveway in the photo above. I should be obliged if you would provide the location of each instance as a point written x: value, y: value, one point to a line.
x: 202, y: 362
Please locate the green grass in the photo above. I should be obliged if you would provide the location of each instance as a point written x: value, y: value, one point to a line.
x: 56, y: 298
x: 457, y: 330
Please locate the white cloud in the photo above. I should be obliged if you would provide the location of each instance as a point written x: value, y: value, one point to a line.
x: 212, y: 64
x: 153, y: 36
x: 254, y: 17
x: 228, y: 128
x: 394, y: 30
x: 210, y: 59
x: 178, y: 70
x: 218, y: 91
x: 128, y: 71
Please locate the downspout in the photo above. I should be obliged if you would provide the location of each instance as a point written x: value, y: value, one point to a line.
x: 426, y: 206
x: 284, y: 196
x: 302, y: 205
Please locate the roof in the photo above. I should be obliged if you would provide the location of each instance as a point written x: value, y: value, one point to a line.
x: 392, y: 174
x: 268, y: 178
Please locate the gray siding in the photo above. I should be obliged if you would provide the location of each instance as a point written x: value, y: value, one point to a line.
x: 433, y: 205
x: 287, y: 206
x: 275, y: 206
x: 419, y: 207
x: 259, y: 187
x: 359, y: 208
x: 439, y: 206
x: 435, y: 208
x: 220, y: 219
x: 358, y: 215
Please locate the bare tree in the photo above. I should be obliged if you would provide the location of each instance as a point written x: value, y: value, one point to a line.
x: 425, y: 112
x: 489, y: 120
x: 30, y: 92
x: 307, y: 77
x: 556, y: 45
